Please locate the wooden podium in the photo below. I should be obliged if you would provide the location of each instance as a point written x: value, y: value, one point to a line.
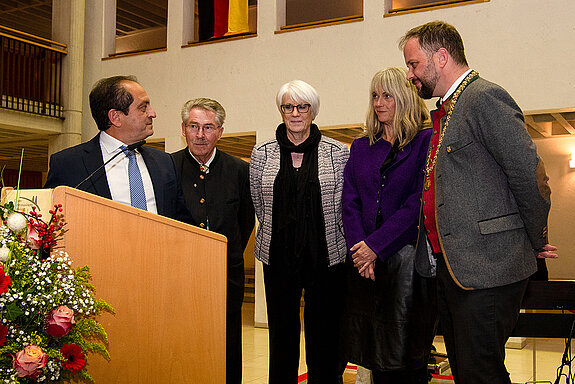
x: 167, y: 283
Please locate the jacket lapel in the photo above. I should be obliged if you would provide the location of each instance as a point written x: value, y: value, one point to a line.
x: 156, y: 176
x: 92, y: 160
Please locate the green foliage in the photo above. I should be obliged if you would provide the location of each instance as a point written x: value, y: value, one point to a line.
x: 92, y: 329
x: 83, y: 278
x: 99, y: 349
x: 85, y: 376
x: 101, y: 306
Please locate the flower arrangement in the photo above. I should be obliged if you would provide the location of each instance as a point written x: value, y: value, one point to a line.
x: 47, y: 309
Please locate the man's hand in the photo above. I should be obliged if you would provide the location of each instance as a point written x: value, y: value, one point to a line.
x: 547, y: 252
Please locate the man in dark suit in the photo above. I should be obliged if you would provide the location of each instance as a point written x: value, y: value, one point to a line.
x: 122, y: 111
x: 217, y: 192
x: 485, y: 204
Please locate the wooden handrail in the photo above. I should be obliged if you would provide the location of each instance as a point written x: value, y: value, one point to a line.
x: 33, y: 43
x: 337, y: 20
x: 432, y: 5
x: 15, y: 31
x: 134, y: 53
x: 238, y: 36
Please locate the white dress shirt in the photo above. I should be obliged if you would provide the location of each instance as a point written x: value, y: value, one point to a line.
x: 207, y: 163
x: 454, y: 86
x: 117, y: 173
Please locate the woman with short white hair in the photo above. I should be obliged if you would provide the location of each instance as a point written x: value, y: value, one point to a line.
x: 296, y: 181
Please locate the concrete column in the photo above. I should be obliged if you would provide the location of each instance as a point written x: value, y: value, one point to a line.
x: 68, y: 28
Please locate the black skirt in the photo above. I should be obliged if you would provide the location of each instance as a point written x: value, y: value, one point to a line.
x: 389, y: 323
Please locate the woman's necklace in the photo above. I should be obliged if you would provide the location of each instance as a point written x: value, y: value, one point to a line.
x: 432, y: 161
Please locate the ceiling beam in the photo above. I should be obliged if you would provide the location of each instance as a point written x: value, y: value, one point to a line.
x: 153, y: 15
x: 21, y: 6
x: 28, y: 140
x: 564, y: 123
x: 544, y: 130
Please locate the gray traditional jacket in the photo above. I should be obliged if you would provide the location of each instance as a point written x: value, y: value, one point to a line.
x: 491, y: 193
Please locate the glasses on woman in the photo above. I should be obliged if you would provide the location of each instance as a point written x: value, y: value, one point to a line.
x: 301, y: 108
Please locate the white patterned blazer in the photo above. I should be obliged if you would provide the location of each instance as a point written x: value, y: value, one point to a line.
x: 264, y: 167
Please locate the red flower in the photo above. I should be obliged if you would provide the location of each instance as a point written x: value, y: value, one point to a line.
x: 4, y: 281
x: 3, y: 334
x: 75, y: 359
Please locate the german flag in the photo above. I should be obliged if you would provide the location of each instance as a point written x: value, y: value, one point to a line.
x: 220, y: 18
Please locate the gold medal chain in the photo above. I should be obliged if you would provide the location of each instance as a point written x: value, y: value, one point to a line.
x: 430, y: 165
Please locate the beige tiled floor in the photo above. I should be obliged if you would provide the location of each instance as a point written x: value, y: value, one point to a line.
x: 518, y: 362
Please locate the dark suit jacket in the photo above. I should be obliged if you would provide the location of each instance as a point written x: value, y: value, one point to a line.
x: 221, y: 200
x: 72, y: 165
x: 491, y: 193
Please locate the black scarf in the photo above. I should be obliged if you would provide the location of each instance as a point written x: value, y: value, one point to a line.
x: 297, y: 224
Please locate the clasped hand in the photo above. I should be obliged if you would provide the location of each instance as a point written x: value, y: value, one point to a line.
x: 364, y: 260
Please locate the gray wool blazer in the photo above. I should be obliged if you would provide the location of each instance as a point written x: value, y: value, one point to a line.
x: 264, y: 167
x: 491, y: 206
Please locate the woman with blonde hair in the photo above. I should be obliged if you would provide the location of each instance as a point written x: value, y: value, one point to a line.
x: 389, y: 317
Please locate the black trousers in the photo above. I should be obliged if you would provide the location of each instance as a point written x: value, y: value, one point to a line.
x: 417, y: 376
x: 476, y: 325
x: 323, y: 297
x: 234, y: 347
x: 235, y: 298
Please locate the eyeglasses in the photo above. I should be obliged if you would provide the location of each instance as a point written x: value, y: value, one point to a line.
x: 208, y: 128
x: 288, y: 108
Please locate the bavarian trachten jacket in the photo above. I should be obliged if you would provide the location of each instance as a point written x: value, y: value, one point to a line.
x: 264, y: 167
x: 491, y: 193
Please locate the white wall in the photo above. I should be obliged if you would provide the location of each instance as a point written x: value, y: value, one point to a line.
x: 556, y: 153
x: 524, y: 45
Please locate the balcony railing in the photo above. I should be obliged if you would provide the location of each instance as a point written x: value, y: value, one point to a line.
x: 31, y: 69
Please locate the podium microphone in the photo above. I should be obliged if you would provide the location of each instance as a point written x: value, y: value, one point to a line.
x: 130, y: 147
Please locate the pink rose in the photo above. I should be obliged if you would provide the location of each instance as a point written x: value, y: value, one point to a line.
x: 33, y: 237
x: 60, y: 321
x: 29, y: 361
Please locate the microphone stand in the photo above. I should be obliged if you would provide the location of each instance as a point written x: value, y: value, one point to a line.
x: 130, y: 147
x: 566, y: 360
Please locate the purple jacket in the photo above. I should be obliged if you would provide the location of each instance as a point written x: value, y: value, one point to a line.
x: 400, y: 194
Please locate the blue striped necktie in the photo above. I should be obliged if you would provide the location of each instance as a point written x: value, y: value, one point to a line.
x: 137, y: 193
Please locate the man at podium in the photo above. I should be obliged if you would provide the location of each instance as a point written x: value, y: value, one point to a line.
x: 114, y: 164
x: 217, y: 192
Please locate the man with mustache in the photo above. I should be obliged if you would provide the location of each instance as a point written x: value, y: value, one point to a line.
x: 145, y: 177
x: 485, y: 204
x: 217, y: 193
